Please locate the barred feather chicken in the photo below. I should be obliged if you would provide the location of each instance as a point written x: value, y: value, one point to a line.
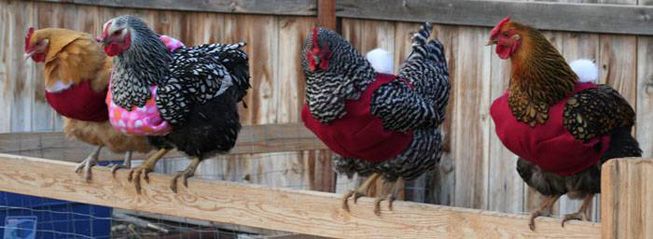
x: 76, y: 78
x: 198, y: 89
x: 380, y: 125
x: 562, y: 126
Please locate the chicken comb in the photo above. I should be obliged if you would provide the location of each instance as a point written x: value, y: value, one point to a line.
x: 28, y: 37
x: 495, y: 30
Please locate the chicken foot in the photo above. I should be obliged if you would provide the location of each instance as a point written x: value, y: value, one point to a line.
x: 359, y: 192
x: 187, y: 173
x: 391, y: 197
x: 145, y: 168
x: 127, y: 163
x: 88, y: 163
x: 544, y: 210
x: 583, y: 213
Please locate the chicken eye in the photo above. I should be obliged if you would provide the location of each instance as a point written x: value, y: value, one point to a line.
x: 505, y: 34
x: 116, y: 33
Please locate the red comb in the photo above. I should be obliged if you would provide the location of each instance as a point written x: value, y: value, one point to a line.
x: 315, y: 42
x: 496, y: 29
x: 28, y: 36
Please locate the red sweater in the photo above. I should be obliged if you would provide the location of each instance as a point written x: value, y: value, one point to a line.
x: 550, y: 146
x: 359, y: 134
x: 80, y: 102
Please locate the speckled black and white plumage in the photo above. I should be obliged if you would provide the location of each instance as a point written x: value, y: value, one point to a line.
x: 349, y: 74
x: 400, y: 107
x: 198, y: 88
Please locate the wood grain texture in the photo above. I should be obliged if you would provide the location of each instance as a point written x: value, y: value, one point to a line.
x: 326, y: 13
x: 470, y: 118
x: 277, y: 7
x: 303, y: 212
x: 644, y: 106
x: 545, y: 15
x: 252, y: 139
x: 626, y: 193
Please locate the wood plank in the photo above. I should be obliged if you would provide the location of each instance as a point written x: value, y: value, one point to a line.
x: 545, y: 15
x: 305, y: 212
x: 626, y: 193
x: 277, y: 7
x: 618, y: 65
x: 18, y: 86
x: 252, y: 139
x: 645, y: 95
x: 470, y: 118
x: 326, y: 13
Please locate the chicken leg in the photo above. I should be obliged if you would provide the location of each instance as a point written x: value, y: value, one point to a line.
x: 583, y: 213
x: 394, y: 190
x: 145, y: 168
x: 544, y: 210
x: 359, y: 192
x: 88, y: 163
x: 126, y: 163
x: 187, y: 173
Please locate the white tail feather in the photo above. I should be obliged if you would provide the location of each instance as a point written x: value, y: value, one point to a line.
x: 381, y: 60
x: 586, y: 70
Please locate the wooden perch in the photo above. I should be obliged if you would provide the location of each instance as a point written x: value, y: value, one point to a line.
x: 252, y: 139
x: 306, y: 212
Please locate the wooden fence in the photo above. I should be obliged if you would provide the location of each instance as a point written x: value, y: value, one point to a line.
x: 476, y: 172
x: 625, y: 205
x: 306, y: 212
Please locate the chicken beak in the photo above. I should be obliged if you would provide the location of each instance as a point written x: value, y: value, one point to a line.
x: 101, y: 40
x: 491, y: 42
x: 27, y: 55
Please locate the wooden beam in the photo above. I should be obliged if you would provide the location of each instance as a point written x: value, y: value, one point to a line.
x: 252, y: 139
x: 276, y: 7
x: 626, y: 193
x: 602, y: 18
x: 306, y: 212
x: 326, y: 13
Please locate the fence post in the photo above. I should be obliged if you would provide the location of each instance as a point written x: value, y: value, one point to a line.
x: 326, y: 13
x: 627, y: 199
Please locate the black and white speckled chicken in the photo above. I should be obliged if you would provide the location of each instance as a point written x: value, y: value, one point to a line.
x: 380, y: 125
x: 198, y: 89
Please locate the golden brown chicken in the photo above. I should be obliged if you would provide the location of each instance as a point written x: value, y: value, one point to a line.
x: 77, y: 73
x: 560, y: 123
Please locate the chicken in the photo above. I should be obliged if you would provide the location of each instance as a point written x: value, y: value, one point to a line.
x: 380, y: 125
x: 562, y: 126
x: 76, y: 78
x: 198, y: 89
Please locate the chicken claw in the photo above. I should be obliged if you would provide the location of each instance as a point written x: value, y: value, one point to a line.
x: 582, y: 213
x: 544, y: 210
x: 88, y: 163
x: 127, y: 163
x: 391, y: 197
x: 144, y: 169
x: 187, y: 173
x: 359, y: 192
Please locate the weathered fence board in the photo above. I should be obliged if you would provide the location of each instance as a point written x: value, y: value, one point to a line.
x: 545, y: 15
x: 306, y: 212
x: 276, y: 7
x: 627, y: 191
